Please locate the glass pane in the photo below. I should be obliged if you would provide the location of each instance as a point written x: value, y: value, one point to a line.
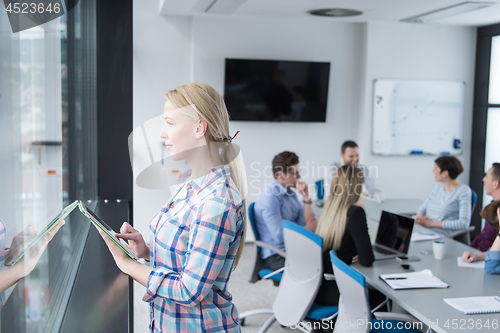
x: 494, y: 90
x: 47, y: 132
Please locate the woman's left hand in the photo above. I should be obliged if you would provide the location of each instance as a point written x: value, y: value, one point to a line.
x: 424, y: 221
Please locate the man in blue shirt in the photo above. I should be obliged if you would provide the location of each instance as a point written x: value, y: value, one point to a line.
x: 279, y: 202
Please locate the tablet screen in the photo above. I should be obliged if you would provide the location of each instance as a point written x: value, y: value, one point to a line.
x: 19, y: 251
x: 100, y: 224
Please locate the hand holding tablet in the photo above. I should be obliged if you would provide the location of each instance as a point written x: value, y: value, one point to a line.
x: 105, y: 230
x: 25, y: 240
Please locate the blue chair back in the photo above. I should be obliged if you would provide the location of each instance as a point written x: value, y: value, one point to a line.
x: 251, y: 217
x: 302, y: 275
x: 320, y: 188
x: 353, y: 302
x: 473, y: 199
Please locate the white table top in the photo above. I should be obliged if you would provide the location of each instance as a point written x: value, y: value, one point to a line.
x: 427, y: 304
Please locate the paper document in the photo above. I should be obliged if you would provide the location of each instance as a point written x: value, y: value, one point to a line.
x: 472, y: 305
x: 414, y: 280
x: 424, y: 236
x: 475, y: 264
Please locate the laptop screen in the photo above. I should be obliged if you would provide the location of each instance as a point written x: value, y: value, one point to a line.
x: 394, y: 231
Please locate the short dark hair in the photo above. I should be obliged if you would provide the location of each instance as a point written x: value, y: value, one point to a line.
x: 496, y: 171
x: 348, y: 144
x: 283, y: 162
x: 489, y: 213
x: 450, y: 164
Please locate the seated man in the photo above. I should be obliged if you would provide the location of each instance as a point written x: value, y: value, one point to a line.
x: 490, y: 231
x: 279, y: 202
x: 350, y: 156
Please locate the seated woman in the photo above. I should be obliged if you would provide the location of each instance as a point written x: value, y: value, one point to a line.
x: 486, y: 238
x: 448, y: 207
x: 343, y: 227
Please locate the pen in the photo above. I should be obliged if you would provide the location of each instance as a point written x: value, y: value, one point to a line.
x: 396, y: 278
x: 426, y: 233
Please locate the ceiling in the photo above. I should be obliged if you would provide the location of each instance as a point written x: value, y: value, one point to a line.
x: 373, y: 10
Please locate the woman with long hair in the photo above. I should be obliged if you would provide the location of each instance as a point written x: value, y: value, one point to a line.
x: 343, y: 227
x: 197, y: 238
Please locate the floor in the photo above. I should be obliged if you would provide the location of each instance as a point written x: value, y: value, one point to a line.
x: 246, y: 296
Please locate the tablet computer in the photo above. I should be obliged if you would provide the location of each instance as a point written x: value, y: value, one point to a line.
x: 100, y: 225
x: 17, y: 253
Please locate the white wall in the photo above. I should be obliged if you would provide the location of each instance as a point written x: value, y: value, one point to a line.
x: 169, y: 51
x: 162, y: 48
x: 416, y: 52
x: 316, y: 144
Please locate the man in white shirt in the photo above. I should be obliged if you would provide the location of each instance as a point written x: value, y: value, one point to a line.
x: 350, y: 156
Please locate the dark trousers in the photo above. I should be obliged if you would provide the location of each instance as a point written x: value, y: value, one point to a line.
x: 275, y: 262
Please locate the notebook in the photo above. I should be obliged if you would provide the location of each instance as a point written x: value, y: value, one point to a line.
x: 475, y: 264
x: 473, y: 305
x: 393, y: 236
x: 415, y: 280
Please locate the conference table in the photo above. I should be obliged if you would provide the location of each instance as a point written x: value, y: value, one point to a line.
x: 427, y: 305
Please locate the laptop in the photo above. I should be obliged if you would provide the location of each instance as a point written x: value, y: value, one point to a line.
x: 393, y: 236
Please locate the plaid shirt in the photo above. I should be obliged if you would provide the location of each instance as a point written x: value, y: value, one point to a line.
x: 194, y: 241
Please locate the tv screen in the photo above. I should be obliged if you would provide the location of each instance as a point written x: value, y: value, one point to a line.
x: 271, y: 90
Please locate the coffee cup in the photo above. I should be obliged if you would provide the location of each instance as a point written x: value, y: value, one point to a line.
x: 439, y: 249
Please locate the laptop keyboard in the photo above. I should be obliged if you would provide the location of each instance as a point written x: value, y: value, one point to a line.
x: 382, y: 250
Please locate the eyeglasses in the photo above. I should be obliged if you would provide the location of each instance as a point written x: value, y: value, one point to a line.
x: 295, y: 174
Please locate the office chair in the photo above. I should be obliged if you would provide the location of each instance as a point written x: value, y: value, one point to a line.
x: 320, y: 189
x: 354, y: 306
x: 463, y: 236
x: 259, y: 270
x: 301, y: 279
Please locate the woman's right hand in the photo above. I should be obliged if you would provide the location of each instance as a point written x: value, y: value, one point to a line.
x: 469, y: 257
x: 135, y: 240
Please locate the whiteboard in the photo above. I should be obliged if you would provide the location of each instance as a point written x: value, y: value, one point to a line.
x: 417, y: 117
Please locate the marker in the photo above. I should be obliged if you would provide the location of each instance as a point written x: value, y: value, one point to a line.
x: 445, y: 153
x: 416, y: 152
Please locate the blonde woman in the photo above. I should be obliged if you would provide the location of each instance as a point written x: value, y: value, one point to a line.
x: 343, y: 227
x: 196, y: 239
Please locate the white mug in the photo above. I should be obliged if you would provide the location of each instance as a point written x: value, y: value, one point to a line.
x: 439, y: 249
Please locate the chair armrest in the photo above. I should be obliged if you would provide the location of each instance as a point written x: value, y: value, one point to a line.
x: 265, y: 277
x: 329, y: 277
x: 272, y: 248
x: 460, y: 232
x: 396, y: 316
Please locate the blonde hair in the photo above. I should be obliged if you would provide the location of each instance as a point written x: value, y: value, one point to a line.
x: 345, y: 190
x: 209, y: 106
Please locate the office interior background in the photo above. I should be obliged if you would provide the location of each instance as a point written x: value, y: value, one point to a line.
x: 73, y: 89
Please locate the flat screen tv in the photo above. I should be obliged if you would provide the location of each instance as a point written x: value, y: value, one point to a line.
x: 275, y: 90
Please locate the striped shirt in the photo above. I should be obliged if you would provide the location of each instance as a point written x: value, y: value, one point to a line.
x: 194, y: 241
x: 452, y: 207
